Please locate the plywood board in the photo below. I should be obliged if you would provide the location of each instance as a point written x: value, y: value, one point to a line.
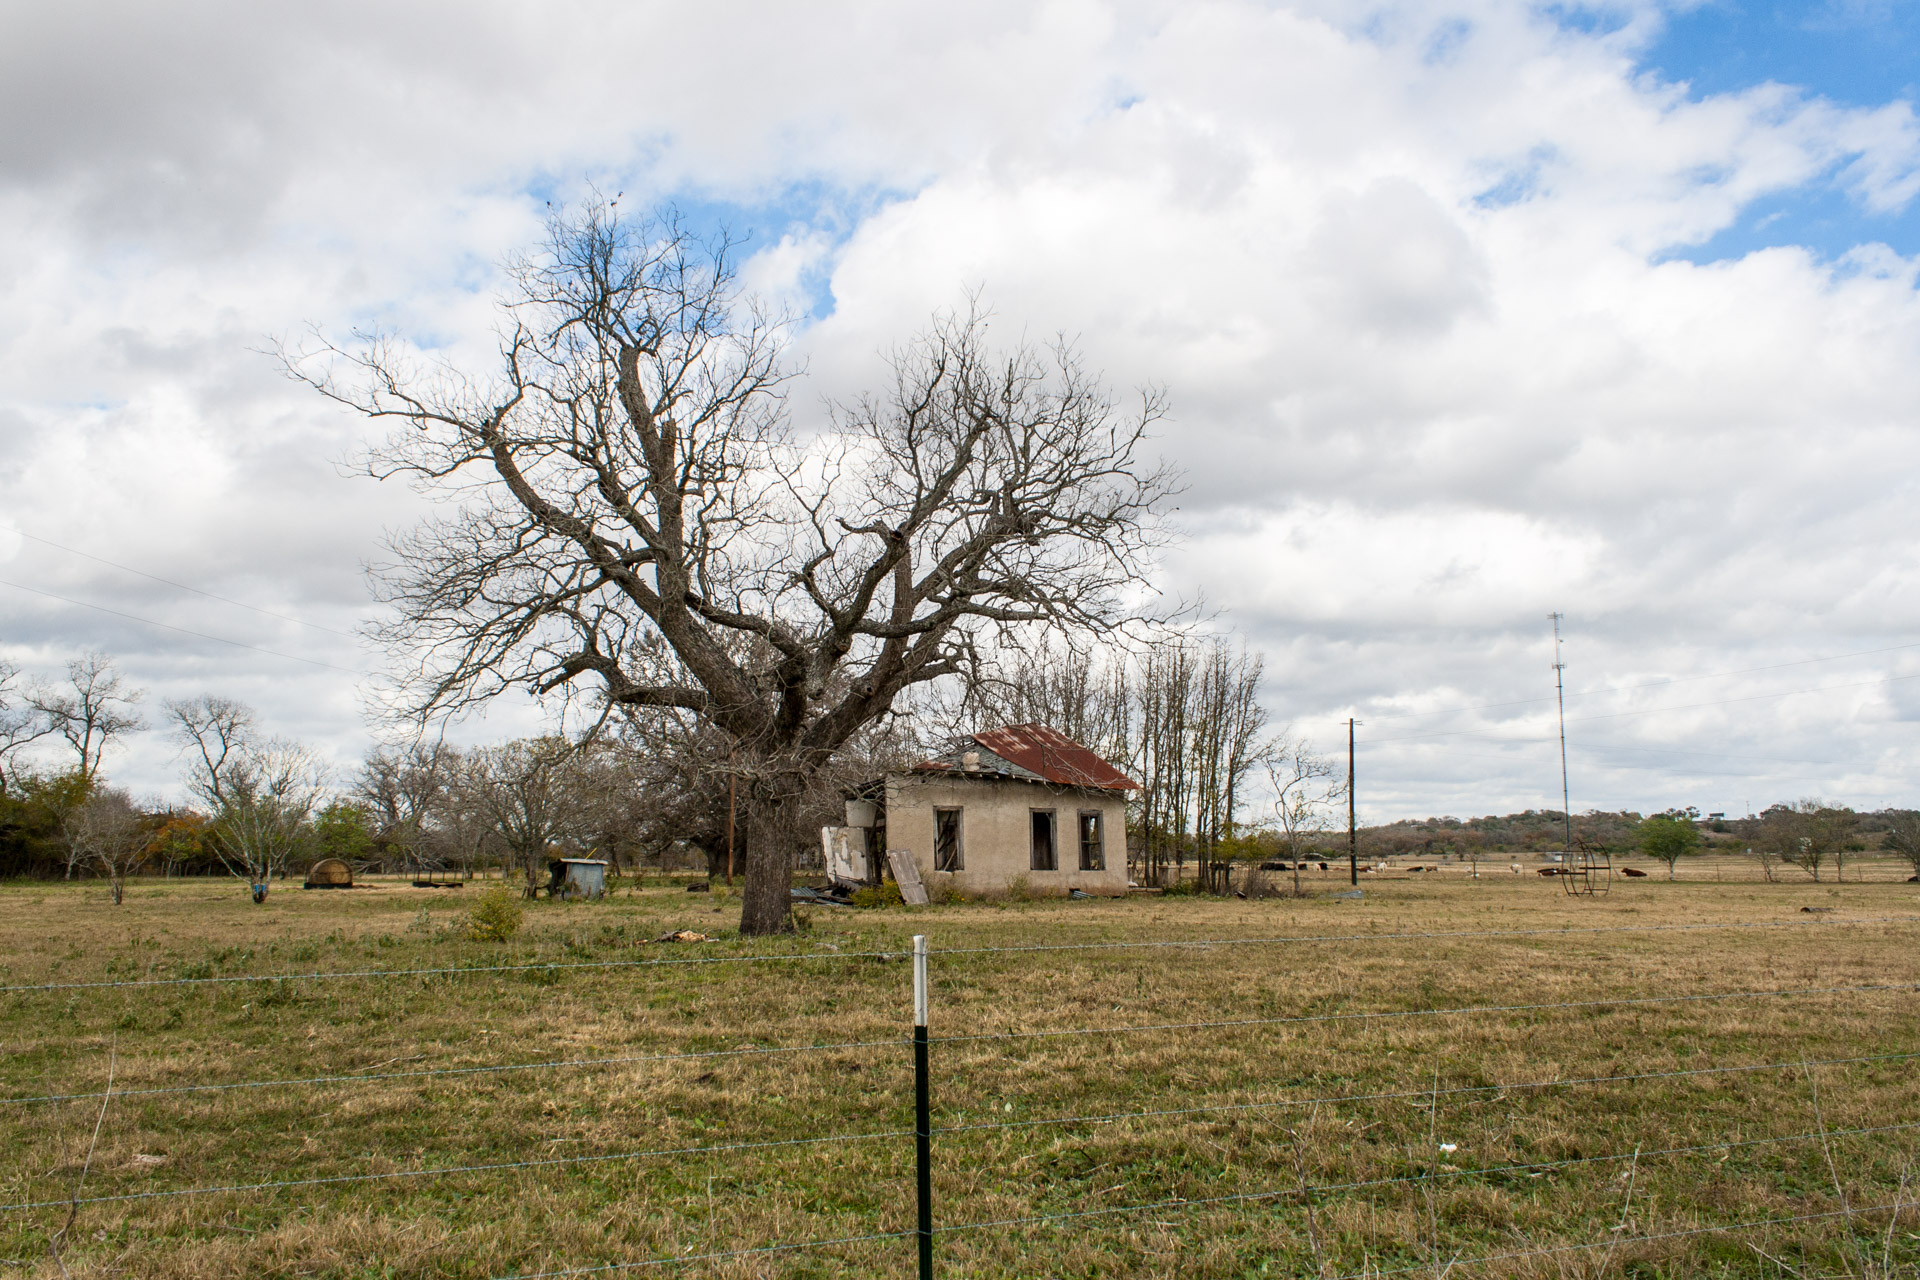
x: 906, y: 873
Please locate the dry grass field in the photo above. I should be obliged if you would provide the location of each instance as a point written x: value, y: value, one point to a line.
x: 1449, y: 1077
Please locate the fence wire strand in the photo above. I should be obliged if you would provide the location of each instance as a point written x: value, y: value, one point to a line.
x: 1449, y: 1091
x: 1316, y: 1189
x: 448, y: 1171
x: 1202, y: 943
x: 669, y: 1260
x: 901, y: 954
x: 1313, y: 1189
x: 582, y: 1063
x: 1896, y: 1207
x: 1624, y: 1001
x: 556, y: 1064
x: 558, y: 1161
x: 451, y: 970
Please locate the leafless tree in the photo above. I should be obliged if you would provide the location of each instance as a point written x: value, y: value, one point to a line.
x: 530, y: 793
x: 1307, y: 788
x: 1903, y: 837
x: 404, y: 789
x: 1808, y: 834
x: 1202, y: 735
x: 21, y: 724
x: 94, y: 711
x: 111, y: 834
x: 261, y: 792
x: 634, y: 511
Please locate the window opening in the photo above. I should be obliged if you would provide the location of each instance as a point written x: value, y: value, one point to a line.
x: 1043, y: 858
x: 1093, y: 849
x: 946, y: 840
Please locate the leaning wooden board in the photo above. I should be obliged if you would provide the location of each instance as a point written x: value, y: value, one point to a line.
x: 906, y: 874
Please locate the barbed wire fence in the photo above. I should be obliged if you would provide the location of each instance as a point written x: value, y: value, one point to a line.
x: 934, y: 1064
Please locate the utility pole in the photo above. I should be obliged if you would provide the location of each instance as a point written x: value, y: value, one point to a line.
x: 1560, y: 697
x: 1353, y: 840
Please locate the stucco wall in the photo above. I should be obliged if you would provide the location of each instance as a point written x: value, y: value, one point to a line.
x: 996, y: 832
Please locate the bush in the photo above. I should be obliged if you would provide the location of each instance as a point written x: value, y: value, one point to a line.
x: 885, y: 894
x: 496, y: 916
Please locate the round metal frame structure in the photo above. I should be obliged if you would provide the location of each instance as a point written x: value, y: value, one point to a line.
x: 1588, y: 871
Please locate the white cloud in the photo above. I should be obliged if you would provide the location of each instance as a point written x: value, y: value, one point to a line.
x: 1403, y: 269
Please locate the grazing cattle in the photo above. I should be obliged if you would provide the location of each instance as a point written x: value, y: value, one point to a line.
x: 1635, y: 872
x: 1516, y: 868
x: 1549, y: 871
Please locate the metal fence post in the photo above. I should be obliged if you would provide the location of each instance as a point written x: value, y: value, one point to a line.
x: 922, y: 1123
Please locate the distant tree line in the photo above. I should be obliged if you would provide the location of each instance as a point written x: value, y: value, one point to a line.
x: 1810, y: 837
x: 1182, y: 714
x: 638, y: 791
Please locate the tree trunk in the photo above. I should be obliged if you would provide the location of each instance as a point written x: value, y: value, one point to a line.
x: 766, y: 818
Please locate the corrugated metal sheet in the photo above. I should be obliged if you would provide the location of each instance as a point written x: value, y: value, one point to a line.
x: 1053, y: 756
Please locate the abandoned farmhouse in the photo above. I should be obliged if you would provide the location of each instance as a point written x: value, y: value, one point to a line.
x: 1023, y: 803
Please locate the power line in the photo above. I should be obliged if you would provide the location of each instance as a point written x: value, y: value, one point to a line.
x: 185, y: 631
x: 1652, y: 711
x: 1651, y: 684
x: 241, y: 604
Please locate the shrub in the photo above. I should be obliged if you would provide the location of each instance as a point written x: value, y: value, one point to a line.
x: 1020, y: 889
x: 496, y: 916
x: 885, y: 894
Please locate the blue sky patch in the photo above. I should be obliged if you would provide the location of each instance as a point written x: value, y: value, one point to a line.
x: 1824, y: 219
x: 1855, y: 53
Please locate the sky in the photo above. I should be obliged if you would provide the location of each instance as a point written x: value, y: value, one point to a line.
x: 1468, y: 311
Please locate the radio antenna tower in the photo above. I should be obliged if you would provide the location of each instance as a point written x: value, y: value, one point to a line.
x: 1560, y: 697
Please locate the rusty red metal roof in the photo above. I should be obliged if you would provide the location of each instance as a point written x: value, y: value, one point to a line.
x: 1053, y: 756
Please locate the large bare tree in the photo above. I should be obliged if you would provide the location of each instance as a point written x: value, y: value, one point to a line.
x: 631, y: 508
